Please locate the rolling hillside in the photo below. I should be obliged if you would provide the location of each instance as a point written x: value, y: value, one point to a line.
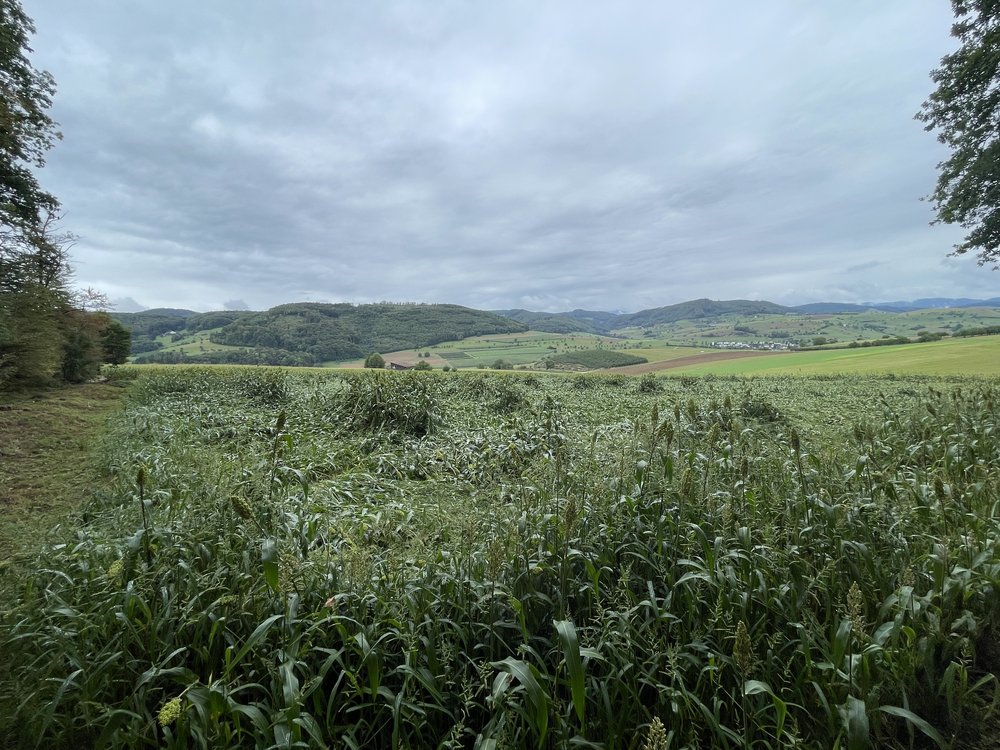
x: 314, y: 333
x: 309, y: 333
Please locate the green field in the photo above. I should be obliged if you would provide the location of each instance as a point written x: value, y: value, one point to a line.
x: 593, y: 359
x: 978, y: 355
x: 192, y: 344
x: 322, y: 558
x: 842, y: 327
x: 529, y: 350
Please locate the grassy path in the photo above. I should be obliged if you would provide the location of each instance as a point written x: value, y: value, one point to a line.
x: 47, y: 466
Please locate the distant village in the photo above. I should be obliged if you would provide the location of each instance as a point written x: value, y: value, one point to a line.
x: 769, y: 346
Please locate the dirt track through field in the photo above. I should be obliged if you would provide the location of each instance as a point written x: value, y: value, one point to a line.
x: 694, y: 359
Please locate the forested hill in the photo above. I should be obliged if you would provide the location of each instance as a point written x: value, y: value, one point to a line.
x: 551, y: 322
x: 309, y: 332
x: 589, y: 321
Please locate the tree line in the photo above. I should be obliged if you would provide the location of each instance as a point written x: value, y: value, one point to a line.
x: 48, y: 332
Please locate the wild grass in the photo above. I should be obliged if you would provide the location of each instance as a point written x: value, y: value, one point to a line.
x: 46, y: 460
x: 366, y: 560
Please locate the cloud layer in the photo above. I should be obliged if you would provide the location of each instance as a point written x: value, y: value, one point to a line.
x: 540, y: 155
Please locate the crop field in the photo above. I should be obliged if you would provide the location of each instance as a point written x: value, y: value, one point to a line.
x: 528, y: 350
x: 518, y: 349
x: 595, y: 359
x: 481, y: 560
x: 979, y: 355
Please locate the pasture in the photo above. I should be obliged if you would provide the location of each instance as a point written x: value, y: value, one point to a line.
x: 370, y: 559
x: 979, y: 355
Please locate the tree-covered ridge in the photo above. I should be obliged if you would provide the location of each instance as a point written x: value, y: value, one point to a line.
x: 589, y: 321
x: 699, y: 308
x: 551, y: 322
x: 345, y: 331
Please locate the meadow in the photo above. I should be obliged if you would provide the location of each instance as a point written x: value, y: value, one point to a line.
x: 449, y: 560
x: 529, y: 350
x: 979, y: 355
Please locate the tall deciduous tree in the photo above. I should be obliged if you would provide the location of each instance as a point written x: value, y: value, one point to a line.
x: 26, y: 130
x: 964, y: 110
x: 36, y: 310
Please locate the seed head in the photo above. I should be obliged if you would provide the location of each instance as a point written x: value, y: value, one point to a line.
x: 241, y: 506
x: 656, y: 738
x: 743, y: 649
x: 855, y: 608
x: 115, y: 571
x: 170, y: 712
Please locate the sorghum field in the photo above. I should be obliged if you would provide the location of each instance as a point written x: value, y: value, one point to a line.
x: 418, y: 560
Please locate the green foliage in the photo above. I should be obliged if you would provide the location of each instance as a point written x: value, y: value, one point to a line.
x: 31, y: 343
x: 595, y: 359
x: 255, y: 356
x: 43, y: 336
x: 375, y: 361
x: 116, y: 342
x: 699, y: 308
x: 649, y: 383
x: 26, y: 130
x: 550, y: 323
x: 345, y: 331
x: 964, y: 110
x: 978, y: 331
x: 422, y: 366
x: 83, y: 350
x: 393, y: 403
x: 301, y: 560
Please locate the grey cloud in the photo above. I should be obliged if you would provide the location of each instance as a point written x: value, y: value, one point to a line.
x: 562, y: 155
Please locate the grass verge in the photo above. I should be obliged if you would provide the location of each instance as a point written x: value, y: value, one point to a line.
x: 46, y: 462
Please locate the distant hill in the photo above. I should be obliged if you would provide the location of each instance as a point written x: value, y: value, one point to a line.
x: 345, y: 331
x: 831, y: 308
x: 168, y: 312
x: 153, y: 322
x: 699, y: 308
x: 550, y: 322
x: 600, y: 321
x: 590, y: 321
x: 936, y: 303
x: 317, y: 332
x: 313, y: 332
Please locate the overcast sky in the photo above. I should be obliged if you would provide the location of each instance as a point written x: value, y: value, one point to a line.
x: 545, y: 155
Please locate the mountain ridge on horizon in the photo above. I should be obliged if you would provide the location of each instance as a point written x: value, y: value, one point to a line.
x: 817, y: 308
x: 307, y: 333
